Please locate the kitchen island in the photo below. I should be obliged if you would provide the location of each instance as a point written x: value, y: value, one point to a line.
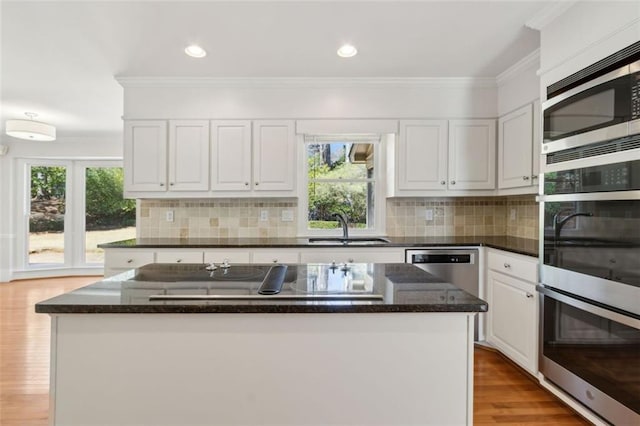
x: 167, y: 344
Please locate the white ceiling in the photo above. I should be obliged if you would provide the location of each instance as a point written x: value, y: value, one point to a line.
x: 59, y: 58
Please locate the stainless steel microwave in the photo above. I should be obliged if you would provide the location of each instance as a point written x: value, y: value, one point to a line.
x: 605, y: 108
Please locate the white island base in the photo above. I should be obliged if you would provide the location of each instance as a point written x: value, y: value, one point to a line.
x: 262, y: 369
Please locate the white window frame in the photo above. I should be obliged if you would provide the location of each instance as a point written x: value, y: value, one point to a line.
x: 379, y: 226
x: 74, y: 222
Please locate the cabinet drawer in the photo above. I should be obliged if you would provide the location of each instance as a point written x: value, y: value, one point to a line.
x: 127, y: 259
x: 517, y: 266
x: 232, y: 255
x: 340, y: 255
x: 171, y: 256
x: 275, y: 256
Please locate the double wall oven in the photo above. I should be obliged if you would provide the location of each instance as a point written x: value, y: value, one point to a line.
x: 590, y: 244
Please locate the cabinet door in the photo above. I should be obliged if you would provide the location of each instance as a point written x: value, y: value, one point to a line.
x: 472, y: 154
x: 188, y: 155
x: 512, y: 319
x: 230, y: 155
x: 275, y: 256
x: 145, y: 155
x: 422, y: 155
x: 515, y: 148
x: 273, y: 155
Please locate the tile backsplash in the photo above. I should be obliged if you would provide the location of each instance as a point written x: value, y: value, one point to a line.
x: 468, y: 216
x: 240, y: 218
x: 220, y: 217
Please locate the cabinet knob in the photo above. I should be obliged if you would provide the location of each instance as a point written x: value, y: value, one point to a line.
x: 130, y: 261
x: 275, y: 260
x: 453, y: 182
x: 534, y: 177
x: 529, y: 295
x: 443, y: 182
x: 506, y: 265
x: 179, y: 260
x: 171, y: 184
x: 525, y: 177
x: 350, y: 260
x: 246, y: 184
x: 162, y: 184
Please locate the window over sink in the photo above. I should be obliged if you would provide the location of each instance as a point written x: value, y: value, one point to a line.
x: 342, y: 175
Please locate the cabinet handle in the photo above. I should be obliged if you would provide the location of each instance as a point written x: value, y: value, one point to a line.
x: 130, y: 261
x: 534, y: 177
x: 350, y: 260
x: 179, y: 260
x: 529, y: 295
x: 443, y: 182
x: 275, y: 260
x: 162, y: 184
x: 525, y: 177
x: 246, y: 184
x: 171, y: 184
x: 453, y: 182
x: 506, y: 265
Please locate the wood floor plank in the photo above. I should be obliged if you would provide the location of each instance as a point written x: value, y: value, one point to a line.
x: 503, y: 394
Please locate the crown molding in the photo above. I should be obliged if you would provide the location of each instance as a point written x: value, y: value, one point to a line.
x: 549, y: 13
x: 515, y: 69
x: 305, y: 82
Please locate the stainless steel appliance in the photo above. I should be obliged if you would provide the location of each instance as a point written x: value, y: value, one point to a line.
x: 590, y: 246
x: 602, y: 108
x: 458, y: 266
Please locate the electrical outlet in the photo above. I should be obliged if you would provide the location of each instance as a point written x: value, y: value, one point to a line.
x: 264, y: 215
x: 287, y: 215
x: 512, y: 216
x: 428, y: 214
x: 169, y: 216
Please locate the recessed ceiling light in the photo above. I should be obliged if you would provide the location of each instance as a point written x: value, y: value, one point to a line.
x: 195, y: 51
x: 347, y: 51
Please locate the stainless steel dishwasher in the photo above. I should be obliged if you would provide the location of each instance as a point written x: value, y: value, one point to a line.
x: 458, y: 266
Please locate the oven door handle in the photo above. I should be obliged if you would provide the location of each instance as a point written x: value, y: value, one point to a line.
x: 628, y: 319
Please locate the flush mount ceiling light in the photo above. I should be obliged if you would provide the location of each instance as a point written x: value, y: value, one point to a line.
x: 30, y: 129
x: 195, y: 51
x: 347, y: 51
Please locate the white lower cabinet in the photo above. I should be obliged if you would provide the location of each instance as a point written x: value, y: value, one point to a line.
x: 512, y: 319
x: 275, y: 256
x: 232, y: 255
x: 120, y: 260
x: 179, y: 256
x: 348, y: 255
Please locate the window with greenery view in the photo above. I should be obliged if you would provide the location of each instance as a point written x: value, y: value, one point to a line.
x: 341, y: 179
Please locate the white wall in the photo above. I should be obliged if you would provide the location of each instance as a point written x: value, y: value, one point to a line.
x: 108, y: 146
x: 584, y: 34
x: 319, y: 98
x: 519, y: 85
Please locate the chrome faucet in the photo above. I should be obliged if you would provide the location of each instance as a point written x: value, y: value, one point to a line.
x: 558, y: 224
x: 342, y: 218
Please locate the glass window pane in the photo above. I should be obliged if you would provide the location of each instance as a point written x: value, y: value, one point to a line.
x: 338, y: 160
x: 109, y: 217
x: 352, y: 199
x: 46, y: 214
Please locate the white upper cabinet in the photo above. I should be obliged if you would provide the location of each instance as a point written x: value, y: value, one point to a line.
x: 254, y: 160
x: 472, y: 151
x: 231, y: 155
x: 145, y: 155
x: 188, y: 155
x: 274, y: 155
x: 422, y: 155
x: 515, y: 149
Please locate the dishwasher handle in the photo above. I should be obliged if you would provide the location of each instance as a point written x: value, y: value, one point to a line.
x: 442, y: 258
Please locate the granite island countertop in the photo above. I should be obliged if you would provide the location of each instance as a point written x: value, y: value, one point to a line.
x: 396, y: 287
x: 525, y: 246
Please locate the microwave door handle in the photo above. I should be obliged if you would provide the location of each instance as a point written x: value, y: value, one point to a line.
x: 588, y: 307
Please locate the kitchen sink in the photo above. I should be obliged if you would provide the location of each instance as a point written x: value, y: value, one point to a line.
x: 349, y: 241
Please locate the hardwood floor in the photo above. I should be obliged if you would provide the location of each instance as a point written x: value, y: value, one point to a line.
x: 502, y: 394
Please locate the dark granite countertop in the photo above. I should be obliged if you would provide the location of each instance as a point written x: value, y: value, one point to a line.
x: 398, y: 287
x: 523, y: 246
